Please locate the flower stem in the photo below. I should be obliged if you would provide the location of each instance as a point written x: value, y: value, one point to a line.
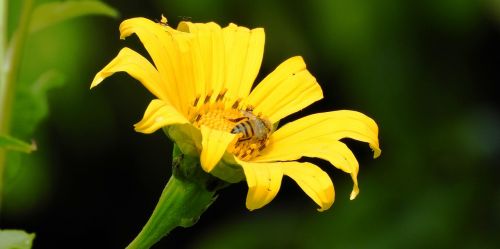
x: 188, y: 193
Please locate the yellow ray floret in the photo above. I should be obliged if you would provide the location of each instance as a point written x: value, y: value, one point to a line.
x: 288, y: 89
x: 214, y: 144
x: 159, y: 114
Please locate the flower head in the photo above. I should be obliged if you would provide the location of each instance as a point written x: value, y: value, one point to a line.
x: 202, y: 77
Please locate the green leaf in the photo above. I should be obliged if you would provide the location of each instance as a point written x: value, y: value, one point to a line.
x: 31, y: 104
x: 52, y: 13
x: 30, y: 107
x: 10, y: 143
x: 16, y: 239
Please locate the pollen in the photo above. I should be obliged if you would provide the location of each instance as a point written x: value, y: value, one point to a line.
x: 222, y: 113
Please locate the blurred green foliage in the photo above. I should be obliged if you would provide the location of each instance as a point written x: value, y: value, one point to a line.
x: 23, y: 177
x: 54, y: 12
x: 10, y: 143
x: 426, y: 71
x: 15, y: 239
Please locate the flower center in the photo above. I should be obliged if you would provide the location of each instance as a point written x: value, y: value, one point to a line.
x: 253, y: 130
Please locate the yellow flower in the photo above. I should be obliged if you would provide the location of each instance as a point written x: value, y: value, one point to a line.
x: 202, y: 76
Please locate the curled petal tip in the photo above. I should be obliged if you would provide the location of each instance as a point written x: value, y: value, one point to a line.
x: 376, y: 151
x: 354, y: 194
x: 325, y: 206
x: 322, y: 209
x: 137, y: 127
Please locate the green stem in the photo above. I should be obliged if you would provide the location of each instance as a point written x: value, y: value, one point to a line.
x: 3, y: 39
x: 188, y: 193
x: 3, y: 29
x: 9, y: 67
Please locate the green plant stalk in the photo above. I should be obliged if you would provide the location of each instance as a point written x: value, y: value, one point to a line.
x: 3, y: 28
x: 10, y: 64
x: 188, y: 193
x: 3, y: 39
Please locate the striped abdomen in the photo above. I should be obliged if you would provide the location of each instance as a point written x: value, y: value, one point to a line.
x: 251, y: 128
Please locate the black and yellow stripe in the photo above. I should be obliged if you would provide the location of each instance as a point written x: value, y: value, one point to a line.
x: 245, y: 128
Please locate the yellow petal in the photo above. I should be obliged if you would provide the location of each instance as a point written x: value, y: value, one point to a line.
x: 244, y: 50
x: 214, y: 144
x: 317, y: 135
x: 355, y: 188
x: 208, y: 55
x: 335, y: 152
x: 136, y: 66
x: 170, y: 51
x: 329, y: 126
x: 159, y: 114
x: 288, y: 89
x: 264, y: 181
x: 313, y: 181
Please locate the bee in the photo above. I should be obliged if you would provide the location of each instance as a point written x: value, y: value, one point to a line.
x: 251, y: 127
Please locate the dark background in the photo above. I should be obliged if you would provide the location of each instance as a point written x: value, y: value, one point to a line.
x: 424, y: 70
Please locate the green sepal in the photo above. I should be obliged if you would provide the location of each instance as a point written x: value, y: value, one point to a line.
x: 228, y: 170
x: 186, y: 137
x: 188, y: 193
x: 188, y: 140
x: 31, y: 104
x: 188, y: 168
